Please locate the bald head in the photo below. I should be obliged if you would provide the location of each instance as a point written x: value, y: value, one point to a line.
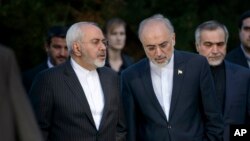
x: 152, y: 22
x: 158, y: 39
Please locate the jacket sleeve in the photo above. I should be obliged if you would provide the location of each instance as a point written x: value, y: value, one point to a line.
x: 41, y: 96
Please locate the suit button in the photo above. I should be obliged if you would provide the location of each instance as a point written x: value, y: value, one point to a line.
x: 169, y: 127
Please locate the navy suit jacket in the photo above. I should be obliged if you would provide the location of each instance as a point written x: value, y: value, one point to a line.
x: 238, y: 57
x: 63, y: 111
x: 193, y: 116
x: 29, y: 75
x: 237, y: 99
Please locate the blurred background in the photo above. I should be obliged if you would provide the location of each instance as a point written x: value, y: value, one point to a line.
x: 24, y: 23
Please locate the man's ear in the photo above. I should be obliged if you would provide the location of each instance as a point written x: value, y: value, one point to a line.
x: 173, y: 42
x: 197, y: 47
x: 173, y: 39
x: 46, y: 47
x: 76, y: 49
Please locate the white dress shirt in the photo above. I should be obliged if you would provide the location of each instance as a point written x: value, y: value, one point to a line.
x: 162, y: 79
x: 50, y: 65
x: 91, y: 85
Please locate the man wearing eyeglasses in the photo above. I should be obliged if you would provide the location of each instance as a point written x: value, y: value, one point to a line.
x: 79, y: 100
x: 169, y: 96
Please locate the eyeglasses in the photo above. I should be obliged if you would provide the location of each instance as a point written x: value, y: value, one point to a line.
x: 152, y: 48
x: 97, y: 42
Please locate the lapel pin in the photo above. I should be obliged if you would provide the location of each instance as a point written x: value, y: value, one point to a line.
x: 179, y: 72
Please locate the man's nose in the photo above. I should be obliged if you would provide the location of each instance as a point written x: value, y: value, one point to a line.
x: 158, y: 51
x: 215, y: 48
x: 64, y: 52
x: 103, y: 46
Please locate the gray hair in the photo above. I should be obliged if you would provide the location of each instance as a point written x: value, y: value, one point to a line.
x: 156, y: 17
x: 75, y: 33
x: 210, y: 25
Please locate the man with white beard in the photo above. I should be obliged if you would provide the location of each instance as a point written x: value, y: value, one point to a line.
x: 169, y: 95
x: 79, y: 100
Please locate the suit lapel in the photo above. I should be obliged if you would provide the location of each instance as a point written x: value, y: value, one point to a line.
x: 229, y: 91
x: 104, y: 80
x: 241, y: 57
x: 179, y: 72
x: 72, y: 81
x: 147, y: 81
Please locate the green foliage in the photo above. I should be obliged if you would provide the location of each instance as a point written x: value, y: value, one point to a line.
x: 24, y: 22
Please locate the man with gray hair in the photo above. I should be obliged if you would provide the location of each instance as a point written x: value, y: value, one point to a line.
x: 232, y: 82
x: 169, y: 95
x: 79, y: 100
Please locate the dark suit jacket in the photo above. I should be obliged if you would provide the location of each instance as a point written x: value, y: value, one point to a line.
x: 193, y: 116
x: 29, y: 75
x: 17, y: 121
x: 63, y: 111
x: 238, y: 57
x: 237, y: 99
x: 127, y: 61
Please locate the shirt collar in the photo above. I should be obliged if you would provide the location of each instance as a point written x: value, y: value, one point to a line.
x: 50, y: 65
x: 79, y: 68
x: 156, y: 69
x: 245, y: 53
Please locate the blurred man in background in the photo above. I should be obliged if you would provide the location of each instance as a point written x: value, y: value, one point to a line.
x: 115, y: 31
x: 57, y: 52
x: 241, y: 54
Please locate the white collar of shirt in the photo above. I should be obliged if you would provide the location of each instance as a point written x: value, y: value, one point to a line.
x: 162, y: 80
x: 91, y: 85
x: 50, y: 65
x: 246, y: 55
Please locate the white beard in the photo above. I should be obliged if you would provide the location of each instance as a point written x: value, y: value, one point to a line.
x: 99, y: 64
x: 215, y: 62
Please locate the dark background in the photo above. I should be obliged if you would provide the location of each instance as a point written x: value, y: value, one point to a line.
x: 24, y: 22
